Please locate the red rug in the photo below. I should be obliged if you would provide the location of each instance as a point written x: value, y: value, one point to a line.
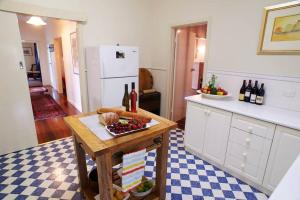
x: 45, y: 107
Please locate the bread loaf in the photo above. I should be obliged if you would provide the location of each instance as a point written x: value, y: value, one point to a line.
x: 106, y: 110
x: 130, y: 115
x: 108, y: 118
x: 125, y: 114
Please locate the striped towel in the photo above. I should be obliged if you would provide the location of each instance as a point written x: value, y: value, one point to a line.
x: 133, y: 169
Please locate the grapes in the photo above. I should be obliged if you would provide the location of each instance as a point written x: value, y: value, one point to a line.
x: 127, y: 126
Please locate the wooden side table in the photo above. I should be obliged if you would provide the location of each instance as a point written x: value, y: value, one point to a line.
x: 104, y: 153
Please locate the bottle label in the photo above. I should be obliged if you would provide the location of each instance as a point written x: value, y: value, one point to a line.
x: 253, y: 98
x: 259, y: 99
x: 242, y: 97
x: 247, y: 94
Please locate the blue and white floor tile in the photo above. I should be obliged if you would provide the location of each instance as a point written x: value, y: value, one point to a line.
x: 49, y: 171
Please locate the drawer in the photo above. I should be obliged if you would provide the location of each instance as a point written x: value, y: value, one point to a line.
x: 246, y: 169
x: 248, y: 140
x: 250, y: 125
x: 244, y: 154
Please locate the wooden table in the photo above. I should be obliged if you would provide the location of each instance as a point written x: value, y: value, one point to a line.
x: 105, y: 153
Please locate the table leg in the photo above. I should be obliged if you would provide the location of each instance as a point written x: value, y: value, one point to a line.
x: 104, y: 168
x: 161, y: 166
x: 81, y: 165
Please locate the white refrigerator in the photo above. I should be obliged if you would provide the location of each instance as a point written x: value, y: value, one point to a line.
x: 109, y: 68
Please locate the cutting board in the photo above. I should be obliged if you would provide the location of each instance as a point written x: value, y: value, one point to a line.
x: 145, y: 79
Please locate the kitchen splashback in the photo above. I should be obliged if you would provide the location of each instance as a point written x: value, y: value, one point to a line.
x: 281, y: 91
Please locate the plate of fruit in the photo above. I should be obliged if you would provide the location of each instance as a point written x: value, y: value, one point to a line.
x: 212, y: 91
x: 144, y: 188
x: 124, y: 126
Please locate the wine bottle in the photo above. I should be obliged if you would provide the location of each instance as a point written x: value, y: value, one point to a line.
x: 242, y: 91
x: 248, y: 91
x: 254, y: 93
x: 125, y: 101
x: 260, y: 95
x: 133, y: 97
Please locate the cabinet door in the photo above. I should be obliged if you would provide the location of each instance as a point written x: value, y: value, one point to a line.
x: 195, y: 127
x: 284, y: 151
x: 216, y: 135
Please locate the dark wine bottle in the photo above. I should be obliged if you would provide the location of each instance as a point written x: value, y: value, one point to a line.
x: 254, y: 93
x: 242, y: 91
x: 125, y: 101
x: 133, y: 97
x: 248, y: 91
x: 260, y: 95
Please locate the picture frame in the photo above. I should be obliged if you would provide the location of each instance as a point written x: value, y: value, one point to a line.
x: 280, y: 30
x: 74, y: 52
x: 27, y: 51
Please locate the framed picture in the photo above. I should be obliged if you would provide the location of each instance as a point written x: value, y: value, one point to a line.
x: 280, y: 30
x: 27, y: 51
x: 74, y: 51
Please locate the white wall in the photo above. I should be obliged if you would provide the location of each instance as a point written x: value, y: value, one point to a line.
x: 234, y: 28
x: 36, y: 34
x: 63, y: 28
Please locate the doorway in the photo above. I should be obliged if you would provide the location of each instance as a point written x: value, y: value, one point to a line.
x: 49, y: 99
x: 189, y: 62
x: 32, y: 63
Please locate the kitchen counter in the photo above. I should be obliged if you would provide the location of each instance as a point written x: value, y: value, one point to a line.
x: 287, y: 118
x: 288, y: 188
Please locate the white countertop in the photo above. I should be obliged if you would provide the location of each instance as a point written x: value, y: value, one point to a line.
x: 287, y: 118
x: 288, y: 188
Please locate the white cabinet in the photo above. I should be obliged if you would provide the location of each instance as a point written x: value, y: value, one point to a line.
x: 249, y: 147
x: 247, y: 154
x: 216, y: 134
x: 195, y: 127
x: 284, y: 151
x: 256, y: 151
x: 207, y: 131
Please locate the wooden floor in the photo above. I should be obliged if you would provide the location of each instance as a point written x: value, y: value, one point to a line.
x: 181, y: 123
x: 55, y: 128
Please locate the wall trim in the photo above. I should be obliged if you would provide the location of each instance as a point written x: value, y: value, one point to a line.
x: 158, y: 69
x: 257, y: 75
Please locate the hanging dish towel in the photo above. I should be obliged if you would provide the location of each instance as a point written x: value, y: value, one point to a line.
x: 133, y: 169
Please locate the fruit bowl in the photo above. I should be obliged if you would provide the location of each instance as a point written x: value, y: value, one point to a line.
x: 143, y: 189
x: 212, y: 91
x: 212, y: 96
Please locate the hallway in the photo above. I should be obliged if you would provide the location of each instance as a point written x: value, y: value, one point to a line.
x: 55, y: 128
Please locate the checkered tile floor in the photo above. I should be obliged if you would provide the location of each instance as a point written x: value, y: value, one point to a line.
x: 49, y: 172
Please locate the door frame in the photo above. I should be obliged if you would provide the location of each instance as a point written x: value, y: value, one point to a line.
x: 78, y: 17
x: 39, y: 52
x: 171, y: 80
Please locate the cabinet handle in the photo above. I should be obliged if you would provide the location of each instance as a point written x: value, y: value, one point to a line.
x: 208, y: 112
x: 243, y: 166
x: 248, y: 140
x: 250, y: 129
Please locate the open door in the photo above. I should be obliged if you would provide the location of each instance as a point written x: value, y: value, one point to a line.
x: 59, y: 64
x: 16, y: 116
